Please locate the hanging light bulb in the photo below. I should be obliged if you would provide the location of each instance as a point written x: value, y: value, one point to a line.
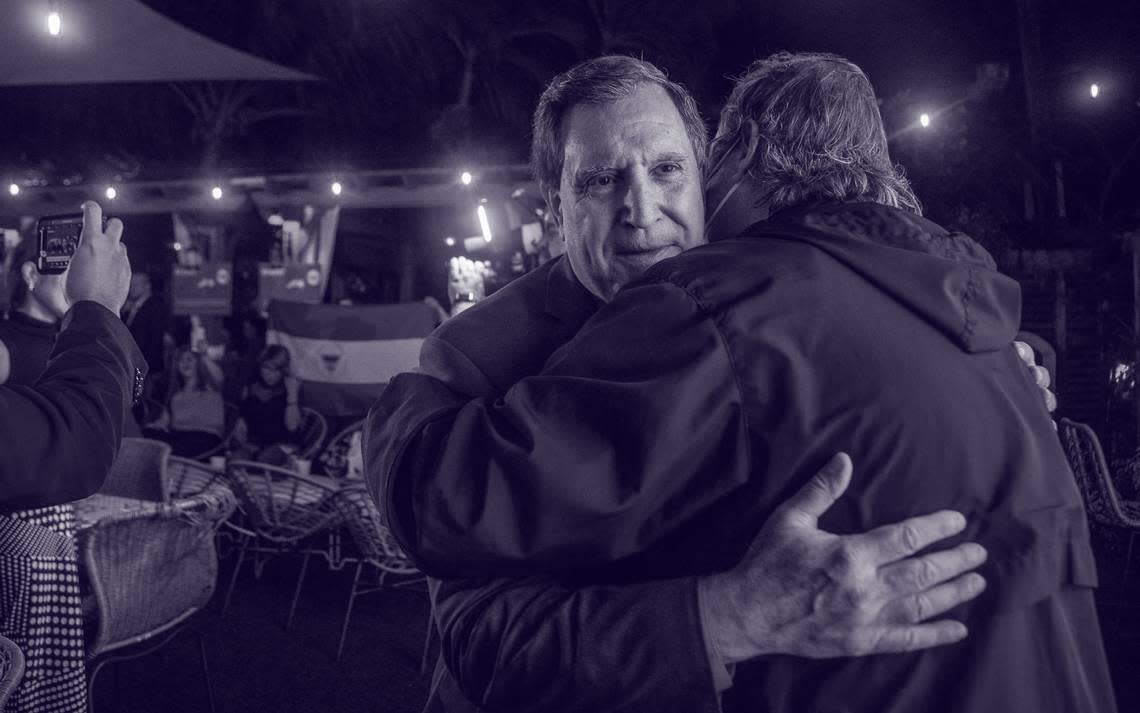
x: 336, y: 188
x: 216, y: 192
x: 111, y: 193
x: 465, y: 178
x: 924, y: 120
x: 13, y: 189
x: 54, y: 23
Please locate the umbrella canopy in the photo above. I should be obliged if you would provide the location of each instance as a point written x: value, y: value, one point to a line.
x: 116, y: 41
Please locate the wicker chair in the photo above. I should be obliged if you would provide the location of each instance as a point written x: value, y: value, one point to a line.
x: 11, y: 668
x: 1103, y: 503
x: 376, y: 547
x: 149, y: 574
x: 139, y: 470
x: 334, y: 458
x: 186, y: 477
x: 282, y: 509
x: 311, y: 433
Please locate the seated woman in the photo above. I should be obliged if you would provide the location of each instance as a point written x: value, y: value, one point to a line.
x: 270, y: 417
x: 194, y: 417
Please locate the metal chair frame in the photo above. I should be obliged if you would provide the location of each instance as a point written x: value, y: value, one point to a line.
x: 283, y: 509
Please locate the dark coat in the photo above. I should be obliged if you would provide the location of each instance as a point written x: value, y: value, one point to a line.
x: 61, y: 436
x: 521, y: 644
x: 657, y: 442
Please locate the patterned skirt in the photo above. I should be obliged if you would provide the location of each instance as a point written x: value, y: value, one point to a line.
x: 40, y: 609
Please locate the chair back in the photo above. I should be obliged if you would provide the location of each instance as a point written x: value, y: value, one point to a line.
x: 11, y: 668
x: 334, y: 457
x: 282, y: 506
x: 311, y: 433
x: 186, y: 478
x: 1085, y: 456
x: 139, y: 471
x: 372, y: 537
x: 151, y: 572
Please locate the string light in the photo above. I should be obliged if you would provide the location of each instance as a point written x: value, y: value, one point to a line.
x: 336, y: 188
x: 216, y: 192
x: 1094, y: 90
x: 13, y: 189
x: 924, y: 120
x: 54, y: 23
x: 111, y: 193
x: 449, y: 241
x: 465, y: 178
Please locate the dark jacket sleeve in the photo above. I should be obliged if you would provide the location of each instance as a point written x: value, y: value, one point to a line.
x: 61, y: 435
x: 633, y: 428
x: 534, y: 644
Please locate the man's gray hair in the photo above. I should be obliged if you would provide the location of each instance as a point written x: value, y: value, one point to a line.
x: 597, y: 81
x: 821, y: 137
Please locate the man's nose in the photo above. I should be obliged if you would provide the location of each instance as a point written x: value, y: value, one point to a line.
x: 642, y: 205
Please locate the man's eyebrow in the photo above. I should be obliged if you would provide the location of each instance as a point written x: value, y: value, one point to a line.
x: 673, y: 156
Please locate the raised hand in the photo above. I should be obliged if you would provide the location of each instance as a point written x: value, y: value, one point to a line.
x: 805, y: 592
x: 99, y: 269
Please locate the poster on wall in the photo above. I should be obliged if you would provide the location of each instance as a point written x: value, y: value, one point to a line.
x: 289, y: 283
x: 202, y: 290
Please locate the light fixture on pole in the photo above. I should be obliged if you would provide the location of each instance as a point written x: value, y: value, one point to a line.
x: 484, y: 224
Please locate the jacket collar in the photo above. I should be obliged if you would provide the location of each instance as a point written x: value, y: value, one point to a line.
x: 566, y: 299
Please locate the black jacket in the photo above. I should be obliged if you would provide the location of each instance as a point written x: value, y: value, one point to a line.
x: 60, y: 436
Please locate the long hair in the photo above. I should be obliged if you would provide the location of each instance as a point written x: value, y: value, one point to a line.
x: 274, y: 355
x: 203, y: 380
x: 821, y: 137
x: 597, y: 81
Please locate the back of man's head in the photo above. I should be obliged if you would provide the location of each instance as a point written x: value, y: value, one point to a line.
x: 596, y: 81
x: 821, y: 137
x: 24, y: 252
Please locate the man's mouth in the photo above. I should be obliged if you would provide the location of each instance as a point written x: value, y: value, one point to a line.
x: 650, y: 254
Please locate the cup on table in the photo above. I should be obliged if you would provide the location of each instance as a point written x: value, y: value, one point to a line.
x: 302, y: 465
x: 218, y: 462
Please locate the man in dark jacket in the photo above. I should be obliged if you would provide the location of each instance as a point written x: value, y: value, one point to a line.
x: 555, y: 644
x: 657, y: 442
x: 61, y: 435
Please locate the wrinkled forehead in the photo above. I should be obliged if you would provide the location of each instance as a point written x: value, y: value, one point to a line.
x: 641, y: 127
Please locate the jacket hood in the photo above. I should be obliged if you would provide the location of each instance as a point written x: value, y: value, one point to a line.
x: 944, y: 277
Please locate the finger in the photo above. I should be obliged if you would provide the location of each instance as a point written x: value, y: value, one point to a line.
x: 1025, y: 352
x: 92, y: 219
x: 894, y: 640
x: 821, y: 492
x: 114, y: 230
x: 938, y: 600
x: 902, y: 539
x: 917, y: 574
x: 1041, y: 376
x: 1050, y: 401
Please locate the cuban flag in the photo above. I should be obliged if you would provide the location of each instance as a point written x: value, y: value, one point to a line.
x: 345, y: 355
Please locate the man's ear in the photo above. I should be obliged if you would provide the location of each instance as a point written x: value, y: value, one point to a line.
x: 553, y: 197
x: 29, y: 273
x: 750, y: 144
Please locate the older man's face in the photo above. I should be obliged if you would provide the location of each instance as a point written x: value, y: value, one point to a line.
x: 631, y: 193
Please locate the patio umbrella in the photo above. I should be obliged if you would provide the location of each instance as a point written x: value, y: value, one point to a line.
x: 103, y: 41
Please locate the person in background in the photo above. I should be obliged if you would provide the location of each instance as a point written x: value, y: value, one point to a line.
x: 193, y: 418
x: 28, y: 334
x: 145, y: 315
x: 270, y: 415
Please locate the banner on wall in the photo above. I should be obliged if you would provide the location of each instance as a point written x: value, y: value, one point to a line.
x: 207, y: 289
x: 345, y: 355
x: 289, y: 283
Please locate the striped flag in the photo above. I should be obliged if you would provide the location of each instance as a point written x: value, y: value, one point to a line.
x: 345, y: 356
